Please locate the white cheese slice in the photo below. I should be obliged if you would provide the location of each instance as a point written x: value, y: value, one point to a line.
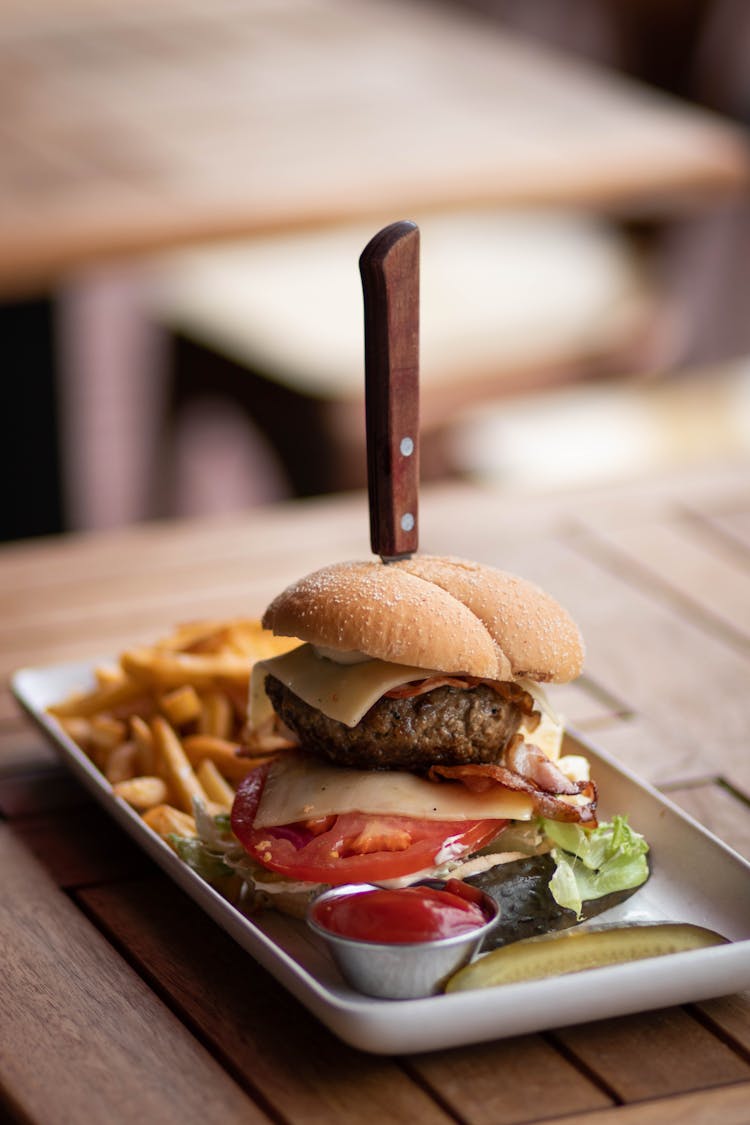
x: 547, y: 736
x: 299, y: 788
x: 344, y: 692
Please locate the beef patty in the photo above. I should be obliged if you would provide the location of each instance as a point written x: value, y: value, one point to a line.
x: 446, y: 726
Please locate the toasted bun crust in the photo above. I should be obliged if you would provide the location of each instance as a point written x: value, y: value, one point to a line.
x: 442, y: 614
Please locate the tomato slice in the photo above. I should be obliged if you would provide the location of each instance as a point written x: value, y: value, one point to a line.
x: 357, y: 847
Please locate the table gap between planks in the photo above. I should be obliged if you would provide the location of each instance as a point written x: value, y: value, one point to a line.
x: 122, y: 1001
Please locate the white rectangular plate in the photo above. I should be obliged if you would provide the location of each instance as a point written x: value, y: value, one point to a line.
x: 696, y: 878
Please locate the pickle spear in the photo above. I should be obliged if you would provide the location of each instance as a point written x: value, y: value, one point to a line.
x: 573, y: 951
x: 527, y: 907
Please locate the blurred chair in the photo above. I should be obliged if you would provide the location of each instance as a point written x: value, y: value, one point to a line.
x: 577, y: 436
x: 510, y: 302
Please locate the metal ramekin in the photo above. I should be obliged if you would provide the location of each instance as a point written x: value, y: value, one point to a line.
x: 400, y: 971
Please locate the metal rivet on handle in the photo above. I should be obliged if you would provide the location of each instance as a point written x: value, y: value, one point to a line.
x: 407, y: 522
x: 406, y: 447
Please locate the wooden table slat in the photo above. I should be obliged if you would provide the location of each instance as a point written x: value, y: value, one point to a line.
x: 508, y: 1083
x: 297, y: 529
x: 81, y: 848
x: 718, y: 809
x: 668, y: 686
x: 584, y: 706
x: 732, y: 1015
x: 727, y: 1105
x: 694, y: 571
x: 39, y: 792
x: 189, y: 546
x: 83, y: 1038
x: 734, y: 526
x: 21, y: 746
x: 667, y: 1052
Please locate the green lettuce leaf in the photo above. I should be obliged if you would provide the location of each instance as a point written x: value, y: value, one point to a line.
x: 593, y: 862
x: 195, y: 854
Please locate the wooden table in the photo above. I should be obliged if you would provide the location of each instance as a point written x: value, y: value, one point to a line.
x: 122, y: 1002
x: 126, y: 128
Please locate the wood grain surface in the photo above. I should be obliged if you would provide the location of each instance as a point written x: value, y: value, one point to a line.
x: 126, y: 128
x: 106, y: 961
x: 98, y: 1052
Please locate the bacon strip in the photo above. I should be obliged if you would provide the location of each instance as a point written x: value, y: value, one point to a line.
x: 419, y: 687
x: 510, y: 691
x: 533, y: 764
x: 481, y: 777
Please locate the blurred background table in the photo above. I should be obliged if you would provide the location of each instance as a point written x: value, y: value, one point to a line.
x: 123, y: 1003
x: 131, y: 129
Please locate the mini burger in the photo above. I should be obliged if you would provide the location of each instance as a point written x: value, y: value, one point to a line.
x: 419, y: 740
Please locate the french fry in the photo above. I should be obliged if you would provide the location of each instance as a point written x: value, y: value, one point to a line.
x: 78, y: 729
x: 181, y: 705
x: 102, y: 700
x: 165, y: 819
x: 188, y: 634
x: 121, y: 763
x: 217, y: 789
x: 249, y: 637
x: 143, y: 792
x: 178, y: 771
x: 237, y: 695
x: 217, y: 715
x: 221, y: 752
x: 268, y: 738
x: 108, y: 676
x: 141, y: 734
x: 173, y: 669
x: 245, y: 636
x: 133, y: 724
x: 215, y: 641
x: 105, y: 734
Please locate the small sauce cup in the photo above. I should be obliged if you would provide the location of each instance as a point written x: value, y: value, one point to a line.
x: 400, y: 970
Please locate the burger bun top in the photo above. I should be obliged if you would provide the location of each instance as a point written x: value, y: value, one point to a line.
x: 441, y: 614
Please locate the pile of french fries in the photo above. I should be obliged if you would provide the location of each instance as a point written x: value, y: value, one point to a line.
x: 165, y: 724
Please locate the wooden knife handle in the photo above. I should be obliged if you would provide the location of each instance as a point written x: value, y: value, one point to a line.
x: 389, y: 267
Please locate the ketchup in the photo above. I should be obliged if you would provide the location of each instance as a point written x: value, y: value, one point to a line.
x: 407, y: 915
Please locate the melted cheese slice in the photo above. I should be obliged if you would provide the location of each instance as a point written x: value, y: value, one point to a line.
x: 299, y: 788
x: 344, y: 692
x: 547, y: 736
